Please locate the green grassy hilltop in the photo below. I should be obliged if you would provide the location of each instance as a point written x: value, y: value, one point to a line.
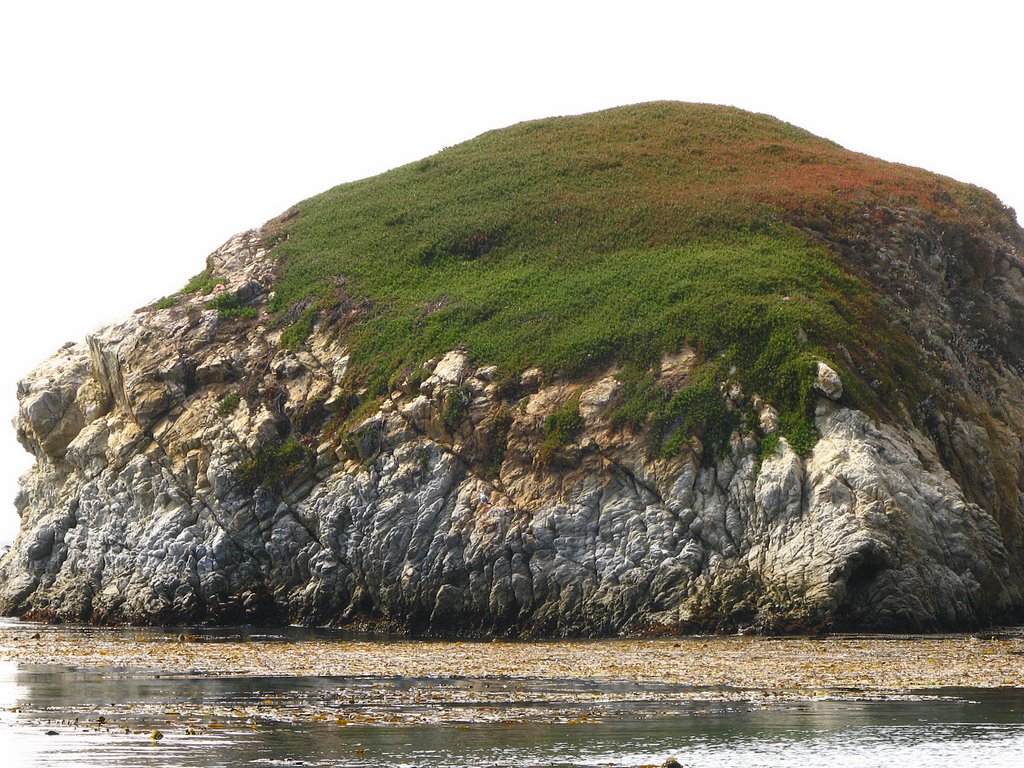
x: 573, y: 243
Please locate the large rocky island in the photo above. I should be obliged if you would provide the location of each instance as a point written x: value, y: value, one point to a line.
x: 658, y: 369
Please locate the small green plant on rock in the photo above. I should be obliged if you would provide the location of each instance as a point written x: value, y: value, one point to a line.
x: 769, y: 446
x: 230, y: 306
x: 273, y: 464
x: 801, y: 434
x: 295, y: 335
x: 420, y: 374
x: 641, y: 396
x: 560, y: 428
x: 229, y: 404
x: 456, y: 405
x: 203, y: 283
x: 698, y: 409
x: 495, y: 440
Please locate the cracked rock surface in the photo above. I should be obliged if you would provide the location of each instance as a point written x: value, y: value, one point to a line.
x: 186, y: 472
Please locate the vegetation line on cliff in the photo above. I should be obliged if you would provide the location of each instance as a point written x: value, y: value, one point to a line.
x: 574, y: 243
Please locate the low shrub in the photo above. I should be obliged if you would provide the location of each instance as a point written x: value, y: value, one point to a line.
x: 295, y: 335
x: 769, y: 446
x: 229, y: 404
x: 456, y: 405
x: 561, y: 427
x: 801, y: 434
x: 495, y: 441
x: 203, y: 283
x: 230, y: 306
x: 274, y: 464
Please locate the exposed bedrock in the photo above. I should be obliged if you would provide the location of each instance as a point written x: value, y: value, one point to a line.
x: 186, y: 472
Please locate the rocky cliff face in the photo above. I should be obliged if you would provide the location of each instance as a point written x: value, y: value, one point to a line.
x: 186, y: 471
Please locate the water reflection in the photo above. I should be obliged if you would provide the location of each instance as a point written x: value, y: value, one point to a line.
x: 106, y: 718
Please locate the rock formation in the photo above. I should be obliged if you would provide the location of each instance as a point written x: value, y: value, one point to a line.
x: 188, y: 470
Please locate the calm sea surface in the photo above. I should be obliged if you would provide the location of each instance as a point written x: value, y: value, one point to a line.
x: 62, y: 716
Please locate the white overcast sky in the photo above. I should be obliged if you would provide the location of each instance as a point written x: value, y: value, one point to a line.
x: 135, y: 137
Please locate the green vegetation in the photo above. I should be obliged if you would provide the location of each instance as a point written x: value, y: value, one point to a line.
x: 166, y: 302
x: 574, y: 243
x: 696, y: 409
x: 274, y: 464
x: 495, y: 441
x: 203, y: 283
x: 560, y: 427
x: 230, y: 307
x: 801, y: 434
x: 769, y: 445
x: 456, y: 404
x: 229, y: 404
x: 297, y: 333
x: 417, y: 377
x: 641, y: 396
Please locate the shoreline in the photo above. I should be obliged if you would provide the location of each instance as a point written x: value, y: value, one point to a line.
x: 854, y: 664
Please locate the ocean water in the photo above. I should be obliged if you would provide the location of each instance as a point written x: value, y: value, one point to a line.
x: 54, y: 715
